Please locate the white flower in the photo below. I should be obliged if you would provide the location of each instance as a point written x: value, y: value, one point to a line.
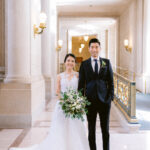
x: 78, y: 106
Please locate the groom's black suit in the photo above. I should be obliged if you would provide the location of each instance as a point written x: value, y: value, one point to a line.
x: 99, y: 89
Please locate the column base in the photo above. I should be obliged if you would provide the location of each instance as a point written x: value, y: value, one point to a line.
x: 20, y: 79
x: 48, y: 88
x: 21, y: 103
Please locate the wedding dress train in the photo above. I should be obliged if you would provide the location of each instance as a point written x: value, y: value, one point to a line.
x: 65, y: 133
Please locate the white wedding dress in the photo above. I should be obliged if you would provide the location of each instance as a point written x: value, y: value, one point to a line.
x: 65, y: 133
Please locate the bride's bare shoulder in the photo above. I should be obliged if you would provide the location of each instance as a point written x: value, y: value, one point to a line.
x: 77, y: 74
x: 60, y: 75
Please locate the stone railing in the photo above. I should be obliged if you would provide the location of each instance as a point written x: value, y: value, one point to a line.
x: 125, y: 97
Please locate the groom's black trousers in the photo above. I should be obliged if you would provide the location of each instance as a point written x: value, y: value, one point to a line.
x: 97, y: 107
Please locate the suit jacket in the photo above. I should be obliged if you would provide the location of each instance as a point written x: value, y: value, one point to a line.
x: 99, y: 86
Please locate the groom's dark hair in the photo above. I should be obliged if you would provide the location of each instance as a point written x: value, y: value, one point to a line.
x: 70, y: 54
x: 94, y: 40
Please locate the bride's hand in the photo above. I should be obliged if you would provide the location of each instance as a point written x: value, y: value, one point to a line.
x: 58, y: 96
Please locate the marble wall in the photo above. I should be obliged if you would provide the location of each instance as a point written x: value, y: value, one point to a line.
x: 127, y: 31
x: 131, y: 28
x: 112, y: 43
x: 146, y: 45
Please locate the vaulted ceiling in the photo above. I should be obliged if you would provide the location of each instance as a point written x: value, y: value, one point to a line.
x: 91, y: 7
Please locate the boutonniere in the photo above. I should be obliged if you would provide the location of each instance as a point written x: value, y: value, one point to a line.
x: 103, y: 64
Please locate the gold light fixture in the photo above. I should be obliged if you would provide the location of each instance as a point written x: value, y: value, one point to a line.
x: 82, y: 45
x: 80, y: 50
x: 126, y: 45
x: 86, y: 37
x: 42, y: 25
x: 59, y: 45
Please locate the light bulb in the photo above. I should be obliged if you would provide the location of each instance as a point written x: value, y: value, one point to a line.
x: 43, y: 17
x: 80, y: 50
x: 86, y: 37
x: 82, y: 45
x: 126, y: 42
x: 60, y: 43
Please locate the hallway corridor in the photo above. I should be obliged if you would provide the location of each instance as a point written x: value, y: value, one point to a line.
x: 120, y: 138
x: 36, y: 36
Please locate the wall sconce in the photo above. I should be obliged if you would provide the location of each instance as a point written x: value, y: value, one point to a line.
x: 126, y: 45
x: 42, y: 25
x: 59, y: 45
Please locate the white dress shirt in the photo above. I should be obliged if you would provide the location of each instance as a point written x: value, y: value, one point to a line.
x: 93, y: 63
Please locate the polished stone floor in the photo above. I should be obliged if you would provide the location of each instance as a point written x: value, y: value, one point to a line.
x: 120, y: 139
x: 143, y: 110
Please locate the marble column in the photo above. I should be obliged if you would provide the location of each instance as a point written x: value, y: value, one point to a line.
x: 138, y: 60
x: 22, y: 95
x: 146, y: 46
x: 18, y: 41
x: 2, y: 41
x: 48, y: 48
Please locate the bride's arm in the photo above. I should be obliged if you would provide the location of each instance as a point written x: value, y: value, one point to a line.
x: 58, y: 87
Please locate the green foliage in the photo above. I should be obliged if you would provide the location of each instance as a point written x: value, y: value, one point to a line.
x: 74, y: 104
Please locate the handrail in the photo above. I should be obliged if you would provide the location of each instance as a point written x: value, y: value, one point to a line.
x: 125, y: 97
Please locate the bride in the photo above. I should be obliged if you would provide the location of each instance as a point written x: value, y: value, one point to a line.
x: 65, y: 133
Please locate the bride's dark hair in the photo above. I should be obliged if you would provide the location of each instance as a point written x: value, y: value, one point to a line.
x: 70, y: 54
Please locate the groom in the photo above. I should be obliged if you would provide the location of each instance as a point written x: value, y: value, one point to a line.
x: 96, y: 83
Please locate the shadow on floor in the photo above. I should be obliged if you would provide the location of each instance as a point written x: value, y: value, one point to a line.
x: 143, y: 110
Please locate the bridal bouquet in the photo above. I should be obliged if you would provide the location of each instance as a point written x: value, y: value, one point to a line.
x: 74, y: 104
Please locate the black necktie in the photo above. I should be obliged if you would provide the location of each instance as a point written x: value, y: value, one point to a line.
x: 96, y: 66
